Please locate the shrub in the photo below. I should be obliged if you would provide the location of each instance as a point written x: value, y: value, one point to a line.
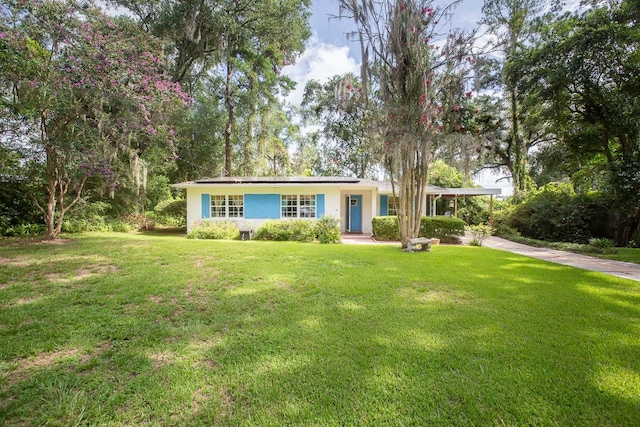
x: 447, y: 229
x: 216, y: 230
x: 327, y: 230
x: 385, y: 228
x: 298, y: 230
x: 553, y: 213
x: 604, y: 246
x: 479, y: 233
x: 23, y: 230
x: 172, y: 212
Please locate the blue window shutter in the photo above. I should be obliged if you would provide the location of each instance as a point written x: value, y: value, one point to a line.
x: 319, y: 205
x: 206, y: 206
x: 384, y: 205
x: 262, y: 206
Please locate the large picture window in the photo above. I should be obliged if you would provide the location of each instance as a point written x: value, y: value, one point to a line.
x: 298, y: 206
x: 227, y: 206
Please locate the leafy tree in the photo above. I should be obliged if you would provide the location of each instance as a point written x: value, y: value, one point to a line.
x: 585, y: 71
x: 347, y: 142
x: 239, y: 45
x: 420, y: 86
x: 513, y: 23
x: 91, y: 94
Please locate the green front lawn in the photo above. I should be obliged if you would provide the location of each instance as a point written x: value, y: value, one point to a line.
x: 127, y: 329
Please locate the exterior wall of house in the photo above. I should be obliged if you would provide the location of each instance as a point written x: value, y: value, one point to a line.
x: 261, y: 203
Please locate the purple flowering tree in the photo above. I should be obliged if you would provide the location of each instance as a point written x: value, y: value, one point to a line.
x: 89, y: 92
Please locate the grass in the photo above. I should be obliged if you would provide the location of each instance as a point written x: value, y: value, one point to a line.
x: 131, y: 329
x: 624, y: 254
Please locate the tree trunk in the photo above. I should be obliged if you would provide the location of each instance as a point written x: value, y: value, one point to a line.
x: 519, y: 163
x: 230, y: 120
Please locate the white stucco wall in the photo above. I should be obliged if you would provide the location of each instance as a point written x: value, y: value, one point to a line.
x: 194, y: 200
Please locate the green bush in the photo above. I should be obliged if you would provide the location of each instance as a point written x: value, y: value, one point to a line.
x: 553, y: 213
x: 171, y: 212
x: 479, y: 233
x: 298, y: 230
x: 604, y: 246
x: 22, y: 230
x: 447, y: 229
x: 327, y: 230
x: 216, y: 230
x: 385, y: 228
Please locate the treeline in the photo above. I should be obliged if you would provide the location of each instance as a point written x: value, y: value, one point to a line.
x: 100, y: 113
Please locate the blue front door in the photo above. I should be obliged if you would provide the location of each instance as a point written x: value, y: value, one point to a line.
x: 355, y: 214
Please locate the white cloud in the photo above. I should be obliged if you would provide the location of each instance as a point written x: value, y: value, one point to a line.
x: 320, y: 61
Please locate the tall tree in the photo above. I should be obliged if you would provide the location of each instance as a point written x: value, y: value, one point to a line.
x: 88, y: 90
x: 512, y: 23
x: 586, y: 71
x: 244, y: 43
x: 348, y: 143
x: 420, y: 84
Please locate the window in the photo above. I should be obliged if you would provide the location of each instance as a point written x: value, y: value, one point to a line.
x: 293, y: 206
x: 392, y: 206
x: 236, y: 206
x: 218, y: 206
x: 307, y: 206
x: 227, y: 206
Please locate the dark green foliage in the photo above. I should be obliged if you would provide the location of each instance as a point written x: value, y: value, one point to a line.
x: 16, y: 210
x: 297, y: 230
x: 216, y: 230
x: 328, y: 230
x: 447, y: 229
x: 172, y: 211
x: 474, y: 210
x: 553, y: 213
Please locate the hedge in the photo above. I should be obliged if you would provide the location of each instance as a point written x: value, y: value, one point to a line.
x: 216, y: 230
x: 447, y: 229
x: 324, y: 230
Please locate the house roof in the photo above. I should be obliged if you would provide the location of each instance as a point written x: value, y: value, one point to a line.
x: 383, y: 187
x: 269, y: 180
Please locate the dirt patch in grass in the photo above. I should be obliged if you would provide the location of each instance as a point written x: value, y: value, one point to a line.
x: 426, y: 293
x: 226, y: 402
x: 25, y: 301
x: 14, y: 262
x: 82, y: 273
x: 159, y: 360
x: 41, y: 361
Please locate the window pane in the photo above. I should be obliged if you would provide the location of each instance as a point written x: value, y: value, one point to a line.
x: 218, y: 206
x: 308, y: 206
x: 289, y: 206
x: 236, y: 206
x: 392, y: 206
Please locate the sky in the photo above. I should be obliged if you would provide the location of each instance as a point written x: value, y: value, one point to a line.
x: 329, y: 52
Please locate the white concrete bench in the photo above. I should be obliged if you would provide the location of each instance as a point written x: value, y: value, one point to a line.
x: 422, y: 242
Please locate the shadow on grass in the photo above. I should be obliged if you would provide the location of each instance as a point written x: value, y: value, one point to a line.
x: 265, y: 333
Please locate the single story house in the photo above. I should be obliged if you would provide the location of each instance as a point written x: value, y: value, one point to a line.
x: 249, y: 201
